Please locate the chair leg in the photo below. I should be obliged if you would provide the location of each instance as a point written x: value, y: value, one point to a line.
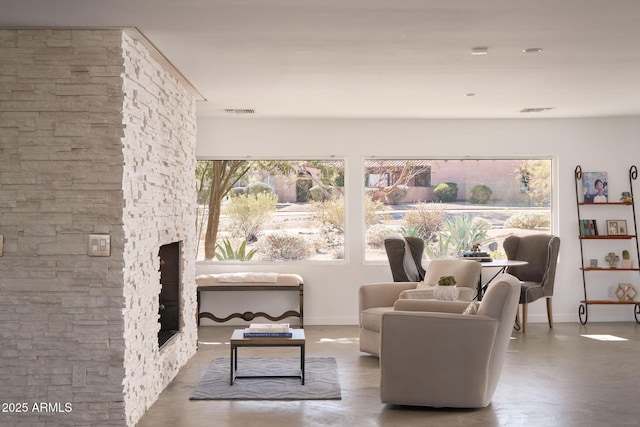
x: 517, y: 326
x: 549, y: 313
x: 524, y: 318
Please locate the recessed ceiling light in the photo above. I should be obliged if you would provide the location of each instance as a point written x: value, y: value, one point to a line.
x: 470, y: 94
x: 536, y: 109
x: 532, y: 50
x: 479, y: 51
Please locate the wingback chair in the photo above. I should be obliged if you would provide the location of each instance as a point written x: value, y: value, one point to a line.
x: 538, y: 276
x: 375, y: 299
x: 441, y: 354
x: 405, y: 258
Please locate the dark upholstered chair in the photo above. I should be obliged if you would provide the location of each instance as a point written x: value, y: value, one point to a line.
x: 536, y: 278
x: 405, y: 267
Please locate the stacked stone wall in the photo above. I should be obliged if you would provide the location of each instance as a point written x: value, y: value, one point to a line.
x: 89, y: 126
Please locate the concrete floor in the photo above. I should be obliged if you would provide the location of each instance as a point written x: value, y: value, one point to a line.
x: 551, y: 378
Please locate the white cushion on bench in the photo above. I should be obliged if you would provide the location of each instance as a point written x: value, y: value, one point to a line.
x: 248, y: 278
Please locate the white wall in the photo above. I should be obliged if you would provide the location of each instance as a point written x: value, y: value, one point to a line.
x: 331, y: 290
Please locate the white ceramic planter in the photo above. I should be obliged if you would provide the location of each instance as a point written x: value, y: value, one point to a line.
x: 446, y: 293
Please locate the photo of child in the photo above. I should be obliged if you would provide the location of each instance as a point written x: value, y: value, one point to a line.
x: 595, y: 188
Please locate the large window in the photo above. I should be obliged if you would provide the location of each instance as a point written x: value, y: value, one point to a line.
x: 454, y: 204
x: 270, y: 210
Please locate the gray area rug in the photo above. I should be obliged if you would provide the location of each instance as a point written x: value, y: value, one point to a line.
x: 321, y: 380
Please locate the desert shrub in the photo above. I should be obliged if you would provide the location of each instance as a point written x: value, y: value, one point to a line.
x: 481, y: 223
x: 377, y: 233
x: 303, y: 184
x: 257, y: 188
x: 499, y: 253
x: 320, y: 193
x: 480, y: 194
x: 236, y: 191
x: 371, y: 209
x: 528, y: 220
x: 248, y: 213
x: 446, y: 191
x: 330, y: 214
x: 397, y: 194
x: 425, y: 219
x: 284, y: 246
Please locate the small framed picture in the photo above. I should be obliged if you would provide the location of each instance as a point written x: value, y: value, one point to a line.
x: 593, y: 263
x: 617, y: 227
x: 595, y: 187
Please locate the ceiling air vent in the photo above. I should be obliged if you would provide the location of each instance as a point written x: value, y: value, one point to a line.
x: 536, y: 109
x: 239, y: 111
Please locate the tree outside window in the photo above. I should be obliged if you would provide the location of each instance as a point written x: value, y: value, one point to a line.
x: 270, y: 210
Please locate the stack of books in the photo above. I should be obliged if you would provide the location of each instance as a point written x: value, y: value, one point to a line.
x: 477, y: 256
x: 262, y: 330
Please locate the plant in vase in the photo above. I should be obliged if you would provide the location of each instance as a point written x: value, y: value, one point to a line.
x: 446, y: 289
x: 626, y: 260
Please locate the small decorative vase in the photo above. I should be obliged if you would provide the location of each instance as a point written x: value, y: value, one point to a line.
x: 446, y: 293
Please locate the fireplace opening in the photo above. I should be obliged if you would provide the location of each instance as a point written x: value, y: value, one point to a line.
x: 169, y: 292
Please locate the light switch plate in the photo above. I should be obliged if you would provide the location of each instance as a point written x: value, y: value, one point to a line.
x: 99, y: 245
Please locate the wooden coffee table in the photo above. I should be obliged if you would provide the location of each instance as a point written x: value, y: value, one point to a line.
x: 238, y: 340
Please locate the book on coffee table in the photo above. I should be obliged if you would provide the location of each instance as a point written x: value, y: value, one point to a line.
x: 256, y: 330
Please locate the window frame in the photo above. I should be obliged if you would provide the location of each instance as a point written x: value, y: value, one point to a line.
x: 553, y: 191
x: 316, y: 262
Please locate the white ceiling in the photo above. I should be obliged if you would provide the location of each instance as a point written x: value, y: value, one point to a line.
x: 382, y: 58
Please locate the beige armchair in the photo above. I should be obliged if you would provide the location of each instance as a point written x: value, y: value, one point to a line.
x: 432, y: 354
x: 375, y: 299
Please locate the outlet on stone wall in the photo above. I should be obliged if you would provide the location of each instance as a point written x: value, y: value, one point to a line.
x: 79, y: 376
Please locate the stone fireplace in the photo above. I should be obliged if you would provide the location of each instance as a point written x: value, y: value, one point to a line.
x: 170, y: 296
x: 98, y: 137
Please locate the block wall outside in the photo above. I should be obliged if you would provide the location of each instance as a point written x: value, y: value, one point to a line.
x: 60, y: 180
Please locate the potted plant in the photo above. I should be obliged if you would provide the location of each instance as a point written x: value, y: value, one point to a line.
x: 446, y: 289
x: 626, y: 260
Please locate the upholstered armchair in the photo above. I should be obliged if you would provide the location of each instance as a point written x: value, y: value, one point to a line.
x: 440, y: 354
x: 405, y: 258
x: 537, y: 278
x: 375, y: 299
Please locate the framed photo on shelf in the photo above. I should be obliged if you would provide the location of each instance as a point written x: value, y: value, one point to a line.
x: 588, y: 227
x: 595, y: 187
x: 616, y: 227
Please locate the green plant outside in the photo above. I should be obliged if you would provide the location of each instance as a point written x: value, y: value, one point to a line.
x: 249, y: 213
x: 226, y: 252
x: 460, y: 234
x: 480, y: 194
x: 446, y: 192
